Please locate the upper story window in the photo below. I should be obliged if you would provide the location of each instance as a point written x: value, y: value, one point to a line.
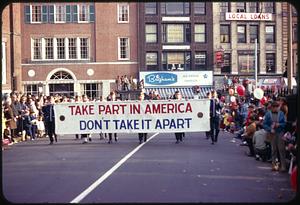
x: 270, y: 62
x: 253, y: 33
x: 270, y: 35
x: 240, y: 7
x: 200, y: 33
x: 241, y: 31
x: 200, y: 60
x: 178, y: 8
x: 151, y: 33
x: 36, y: 13
x: 224, y: 7
x: 151, y: 60
x: 74, y: 48
x: 199, y: 8
x: 269, y: 7
x: 123, y: 13
x: 176, y: 33
x: 151, y: 8
x: 253, y: 7
x: 124, y: 49
x: 59, y: 13
x: 225, y: 33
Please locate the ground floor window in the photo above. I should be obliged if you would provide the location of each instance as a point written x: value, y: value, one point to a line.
x: 92, y: 90
x: 226, y: 66
x: 31, y: 89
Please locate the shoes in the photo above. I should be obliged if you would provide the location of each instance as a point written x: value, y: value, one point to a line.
x: 140, y: 142
x: 109, y: 142
x: 275, y: 167
x: 50, y: 143
x: 84, y: 142
x: 116, y: 139
x: 90, y: 139
x: 212, y: 143
x: 177, y: 142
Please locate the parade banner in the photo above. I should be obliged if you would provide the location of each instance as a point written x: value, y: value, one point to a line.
x: 162, y: 116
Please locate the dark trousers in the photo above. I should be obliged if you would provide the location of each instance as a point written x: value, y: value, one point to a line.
x: 214, y: 128
x: 33, y: 131
x: 51, y: 130
x: 110, y: 137
x: 250, y: 145
x: 263, y: 153
x: 142, y: 136
x: 178, y: 136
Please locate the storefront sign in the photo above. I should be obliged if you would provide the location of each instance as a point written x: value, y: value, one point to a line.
x: 248, y: 16
x: 132, y: 117
x: 183, y: 78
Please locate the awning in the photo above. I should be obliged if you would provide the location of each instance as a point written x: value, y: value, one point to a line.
x: 186, y: 92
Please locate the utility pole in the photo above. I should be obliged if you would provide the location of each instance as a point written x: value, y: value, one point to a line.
x: 255, y: 63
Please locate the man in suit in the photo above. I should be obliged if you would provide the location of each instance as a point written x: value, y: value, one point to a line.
x: 48, y: 113
x: 178, y: 135
x: 215, y: 111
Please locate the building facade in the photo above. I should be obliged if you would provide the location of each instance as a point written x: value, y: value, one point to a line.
x: 11, y: 48
x: 77, y: 48
x: 175, y: 38
x: 236, y: 25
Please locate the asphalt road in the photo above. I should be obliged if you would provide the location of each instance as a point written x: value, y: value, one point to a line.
x: 159, y: 171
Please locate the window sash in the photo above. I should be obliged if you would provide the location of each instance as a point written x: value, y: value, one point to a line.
x: 200, y: 58
x: 151, y: 8
x: 151, y: 33
x: 36, y: 13
x: 37, y: 48
x: 178, y: 8
x: 84, y: 48
x: 270, y: 62
x: 72, y: 48
x: 83, y: 13
x: 199, y: 8
x: 151, y: 58
x: 200, y: 33
x: 60, y: 13
x: 253, y: 34
x: 270, y: 35
x: 241, y: 31
x: 49, y: 51
x: 246, y: 63
x: 60, y: 42
x: 240, y: 7
x: 123, y: 48
x: 175, y: 33
x: 123, y: 13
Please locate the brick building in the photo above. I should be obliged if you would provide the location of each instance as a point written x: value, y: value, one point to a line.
x: 72, y: 48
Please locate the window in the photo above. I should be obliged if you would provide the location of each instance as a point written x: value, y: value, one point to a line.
x: 180, y: 8
x: 176, y: 60
x: 224, y: 7
x: 295, y: 33
x: 200, y: 60
x: 226, y: 67
x: 3, y: 65
x: 31, y: 89
x: 270, y: 62
x: 241, y: 31
x: 92, y: 90
x: 253, y: 33
x: 270, y: 35
x: 60, y: 48
x: 176, y: 33
x: 240, y: 7
x: 199, y: 8
x: 84, y: 48
x: 83, y: 13
x: 246, y: 63
x: 224, y: 33
x: 49, y: 48
x: 36, y: 14
x: 61, y: 75
x: 123, y: 48
x: 60, y: 13
x: 123, y: 13
x: 269, y: 7
x: 151, y: 60
x: 72, y: 48
x: 150, y: 8
x: 200, y: 33
x: 37, y: 48
x: 253, y: 7
x: 151, y: 33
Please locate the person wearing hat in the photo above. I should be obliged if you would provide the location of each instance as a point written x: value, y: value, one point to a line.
x: 274, y: 124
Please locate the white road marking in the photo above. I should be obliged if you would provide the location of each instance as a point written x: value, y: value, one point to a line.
x: 108, y: 173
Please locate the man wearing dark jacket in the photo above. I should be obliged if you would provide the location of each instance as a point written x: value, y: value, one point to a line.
x: 48, y: 113
x: 215, y: 110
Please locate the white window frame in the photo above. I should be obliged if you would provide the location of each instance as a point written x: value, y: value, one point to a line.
x: 87, y: 14
x: 119, y: 48
x: 35, y: 22
x: 55, y: 13
x: 119, y: 12
x: 3, y: 67
x: 66, y: 47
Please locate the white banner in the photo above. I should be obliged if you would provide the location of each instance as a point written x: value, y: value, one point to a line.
x: 248, y: 16
x: 132, y: 116
x: 181, y: 78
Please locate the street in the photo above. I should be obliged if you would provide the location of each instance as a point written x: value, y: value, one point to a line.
x: 158, y: 171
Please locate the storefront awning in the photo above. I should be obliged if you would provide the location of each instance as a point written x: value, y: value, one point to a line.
x: 186, y: 92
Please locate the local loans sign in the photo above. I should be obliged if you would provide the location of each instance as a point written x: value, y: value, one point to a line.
x: 132, y: 116
x: 249, y: 16
x: 181, y: 78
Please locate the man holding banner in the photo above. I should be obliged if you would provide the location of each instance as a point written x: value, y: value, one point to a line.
x: 48, y: 113
x: 142, y: 136
x: 178, y: 135
x: 215, y: 111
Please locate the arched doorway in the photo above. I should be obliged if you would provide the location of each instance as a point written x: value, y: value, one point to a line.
x: 61, y: 83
